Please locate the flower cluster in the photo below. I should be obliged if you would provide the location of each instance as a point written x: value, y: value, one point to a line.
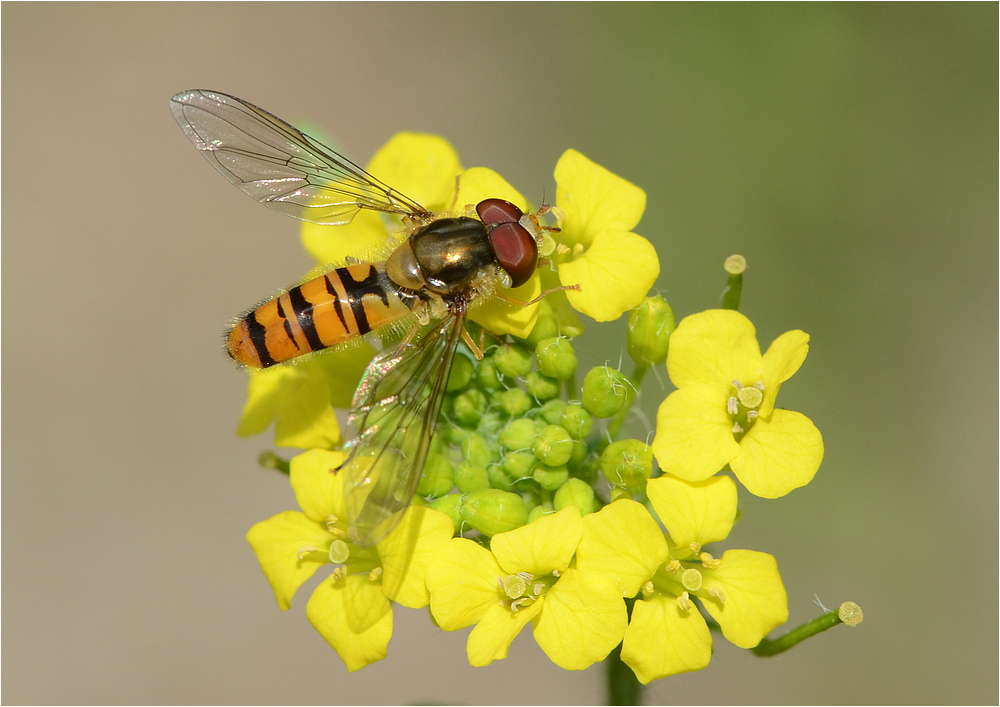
x: 529, y: 510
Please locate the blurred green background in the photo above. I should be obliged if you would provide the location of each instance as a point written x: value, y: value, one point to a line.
x: 848, y: 151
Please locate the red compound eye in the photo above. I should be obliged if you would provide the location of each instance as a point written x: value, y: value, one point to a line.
x: 497, y: 211
x: 516, y: 251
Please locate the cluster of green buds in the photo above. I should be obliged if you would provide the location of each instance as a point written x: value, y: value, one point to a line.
x: 518, y: 439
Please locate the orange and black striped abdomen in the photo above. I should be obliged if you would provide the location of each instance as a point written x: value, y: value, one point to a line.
x: 323, y: 312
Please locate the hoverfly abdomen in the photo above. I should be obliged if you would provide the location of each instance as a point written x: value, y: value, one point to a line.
x: 322, y: 312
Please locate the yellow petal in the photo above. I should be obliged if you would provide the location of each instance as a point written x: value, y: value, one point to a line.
x: 277, y: 542
x: 623, y: 544
x: 365, y: 238
x: 663, y: 640
x: 614, y: 274
x: 715, y: 346
x: 318, y: 490
x: 694, y: 435
x: 501, y: 317
x: 480, y: 183
x: 407, y: 552
x: 492, y: 636
x: 421, y: 166
x: 593, y: 199
x: 755, y: 597
x: 783, y: 358
x: 297, y: 399
x: 583, y: 617
x: 462, y: 581
x: 694, y: 512
x: 354, y: 617
x: 779, y: 454
x: 540, y: 547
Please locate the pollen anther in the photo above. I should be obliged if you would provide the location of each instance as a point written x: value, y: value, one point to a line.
x: 684, y: 602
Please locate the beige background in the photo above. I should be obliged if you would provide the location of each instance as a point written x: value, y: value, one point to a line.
x: 850, y: 152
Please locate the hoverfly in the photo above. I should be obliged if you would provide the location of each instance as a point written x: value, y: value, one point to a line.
x: 444, y: 264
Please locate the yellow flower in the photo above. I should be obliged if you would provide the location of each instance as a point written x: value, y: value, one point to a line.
x: 596, y: 249
x: 667, y: 634
x: 300, y: 398
x: 577, y: 617
x: 426, y: 169
x: 351, y: 609
x: 723, y: 410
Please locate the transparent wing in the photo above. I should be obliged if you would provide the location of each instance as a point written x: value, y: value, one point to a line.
x: 395, y: 410
x: 280, y: 166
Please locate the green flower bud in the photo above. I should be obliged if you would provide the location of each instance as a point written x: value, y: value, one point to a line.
x: 471, y: 477
x: 553, y: 446
x: 575, y: 493
x: 449, y: 506
x: 577, y: 421
x: 492, y: 511
x: 512, y: 361
x: 438, y: 477
x: 518, y: 434
x: 518, y: 465
x: 538, y: 511
x: 489, y: 425
x: 498, y: 478
x: 545, y: 327
x: 618, y: 493
x: 453, y: 434
x: 627, y: 463
x: 605, y: 391
x: 477, y: 450
x: 514, y: 402
x: 447, y: 405
x: 552, y: 411
x: 556, y: 358
x: 469, y: 406
x: 540, y: 386
x: 461, y: 373
x: 649, y: 328
x: 579, y: 455
x: 550, y: 478
x: 487, y: 375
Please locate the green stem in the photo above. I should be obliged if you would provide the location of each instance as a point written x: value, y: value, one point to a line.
x: 731, y: 295
x: 768, y: 646
x: 624, y: 687
x: 270, y: 460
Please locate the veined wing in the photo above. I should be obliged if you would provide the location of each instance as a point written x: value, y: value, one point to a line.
x: 280, y: 166
x: 395, y: 409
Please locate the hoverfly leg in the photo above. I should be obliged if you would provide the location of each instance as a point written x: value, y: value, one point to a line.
x: 538, y: 299
x: 477, y: 351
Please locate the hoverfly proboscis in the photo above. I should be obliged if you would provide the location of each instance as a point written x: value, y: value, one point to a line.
x: 441, y: 268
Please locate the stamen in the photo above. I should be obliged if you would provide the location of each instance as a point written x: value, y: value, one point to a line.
x: 673, y: 567
x: 710, y: 562
x: 684, y: 602
x: 759, y: 385
x: 718, y: 594
x: 305, y: 550
x: 578, y: 250
x: 331, y: 521
x: 737, y: 385
x: 556, y: 573
x: 733, y: 405
x: 695, y: 547
x: 338, y: 573
x: 647, y: 589
x: 375, y: 574
x: 537, y: 589
x: 562, y: 249
x: 736, y: 428
x: 752, y: 414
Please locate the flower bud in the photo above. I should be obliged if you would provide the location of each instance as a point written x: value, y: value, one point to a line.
x: 438, y: 477
x: 518, y: 465
x: 618, y: 493
x: 487, y: 375
x: 471, y: 477
x: 518, y: 434
x: 537, y: 512
x: 449, y: 506
x: 514, y: 402
x: 605, y: 391
x: 512, y: 361
x: 627, y: 463
x: 545, y: 327
x: 556, y: 358
x: 469, y: 406
x: 575, y: 493
x: 548, y: 477
x: 498, y: 478
x: 477, y: 450
x: 492, y: 511
x: 552, y: 411
x: 553, y: 445
x: 461, y: 373
x: 649, y: 328
x: 577, y: 421
x: 490, y: 425
x: 542, y: 387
